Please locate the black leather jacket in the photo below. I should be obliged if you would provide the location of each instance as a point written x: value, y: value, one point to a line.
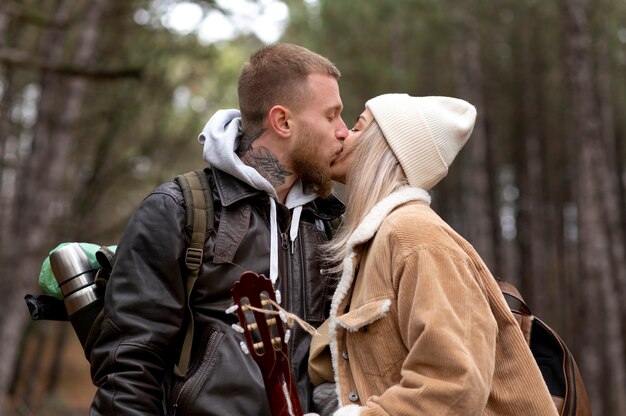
x: 144, y: 313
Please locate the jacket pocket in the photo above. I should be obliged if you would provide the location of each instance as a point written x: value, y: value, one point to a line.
x: 186, y: 390
x: 373, y: 338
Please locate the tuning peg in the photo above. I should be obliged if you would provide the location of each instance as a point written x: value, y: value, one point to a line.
x: 283, y: 316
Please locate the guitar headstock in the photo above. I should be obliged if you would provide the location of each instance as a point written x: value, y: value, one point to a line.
x: 261, y: 322
x: 260, y: 319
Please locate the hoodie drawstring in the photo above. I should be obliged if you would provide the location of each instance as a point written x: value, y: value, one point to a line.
x: 273, y: 242
x: 295, y: 225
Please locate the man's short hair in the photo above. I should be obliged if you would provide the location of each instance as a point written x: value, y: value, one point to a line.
x: 277, y: 74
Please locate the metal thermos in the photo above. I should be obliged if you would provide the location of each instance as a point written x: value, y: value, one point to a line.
x: 75, y: 275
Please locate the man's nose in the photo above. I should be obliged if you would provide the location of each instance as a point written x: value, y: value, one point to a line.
x: 342, y: 132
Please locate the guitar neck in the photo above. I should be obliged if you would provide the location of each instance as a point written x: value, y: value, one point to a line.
x: 282, y: 394
x: 265, y: 338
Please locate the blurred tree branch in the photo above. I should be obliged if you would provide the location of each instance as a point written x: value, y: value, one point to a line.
x: 23, y: 59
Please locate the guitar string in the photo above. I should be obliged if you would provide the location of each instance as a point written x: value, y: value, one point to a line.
x: 290, y: 317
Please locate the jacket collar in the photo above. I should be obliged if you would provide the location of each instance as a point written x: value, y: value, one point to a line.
x: 366, y: 229
x: 327, y: 209
x: 232, y: 190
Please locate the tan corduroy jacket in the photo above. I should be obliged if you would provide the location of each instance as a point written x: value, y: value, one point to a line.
x: 419, y: 326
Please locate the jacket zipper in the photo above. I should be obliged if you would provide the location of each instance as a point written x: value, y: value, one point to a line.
x: 286, y: 295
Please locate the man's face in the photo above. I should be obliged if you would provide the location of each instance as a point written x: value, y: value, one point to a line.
x: 339, y: 168
x: 320, y: 131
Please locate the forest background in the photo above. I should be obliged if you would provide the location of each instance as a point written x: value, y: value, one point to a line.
x: 102, y: 100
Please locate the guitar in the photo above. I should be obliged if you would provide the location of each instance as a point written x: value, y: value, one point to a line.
x: 265, y: 339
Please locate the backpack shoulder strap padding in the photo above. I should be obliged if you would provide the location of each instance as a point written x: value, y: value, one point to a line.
x: 199, y: 219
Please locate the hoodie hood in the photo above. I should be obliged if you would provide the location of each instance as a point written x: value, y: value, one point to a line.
x: 220, y: 138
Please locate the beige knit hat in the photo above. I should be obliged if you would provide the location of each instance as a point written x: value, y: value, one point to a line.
x: 425, y: 133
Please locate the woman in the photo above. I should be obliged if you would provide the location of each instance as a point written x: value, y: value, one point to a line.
x: 418, y: 325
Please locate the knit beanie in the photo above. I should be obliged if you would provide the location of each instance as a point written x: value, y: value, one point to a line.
x: 424, y: 133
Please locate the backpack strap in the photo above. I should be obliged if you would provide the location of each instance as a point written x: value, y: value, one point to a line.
x: 199, y: 219
x: 513, y: 298
x: 518, y: 307
x: 557, y: 365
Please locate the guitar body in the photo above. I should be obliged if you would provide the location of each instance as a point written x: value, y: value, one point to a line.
x: 265, y: 339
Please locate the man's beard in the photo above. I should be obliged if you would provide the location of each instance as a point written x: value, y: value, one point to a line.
x: 312, y: 165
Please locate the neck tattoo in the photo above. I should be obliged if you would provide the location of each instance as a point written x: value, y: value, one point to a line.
x: 266, y: 164
x: 245, y: 145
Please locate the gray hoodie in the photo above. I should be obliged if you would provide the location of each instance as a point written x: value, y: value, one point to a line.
x: 221, y: 136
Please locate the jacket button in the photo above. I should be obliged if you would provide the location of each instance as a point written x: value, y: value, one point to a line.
x: 353, y: 397
x: 345, y: 354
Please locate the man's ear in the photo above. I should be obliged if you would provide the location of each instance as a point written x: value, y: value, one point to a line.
x: 280, y: 121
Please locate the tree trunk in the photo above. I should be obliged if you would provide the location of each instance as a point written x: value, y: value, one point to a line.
x: 612, y: 187
x: 7, y: 171
x: 42, y: 196
x: 531, y: 229
x: 479, y: 205
x: 596, y: 260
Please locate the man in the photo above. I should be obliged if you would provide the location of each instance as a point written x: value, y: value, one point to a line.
x: 270, y: 176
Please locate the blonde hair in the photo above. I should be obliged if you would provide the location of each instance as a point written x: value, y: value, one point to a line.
x: 373, y: 174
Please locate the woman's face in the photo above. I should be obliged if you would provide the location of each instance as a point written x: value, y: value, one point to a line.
x: 339, y: 168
